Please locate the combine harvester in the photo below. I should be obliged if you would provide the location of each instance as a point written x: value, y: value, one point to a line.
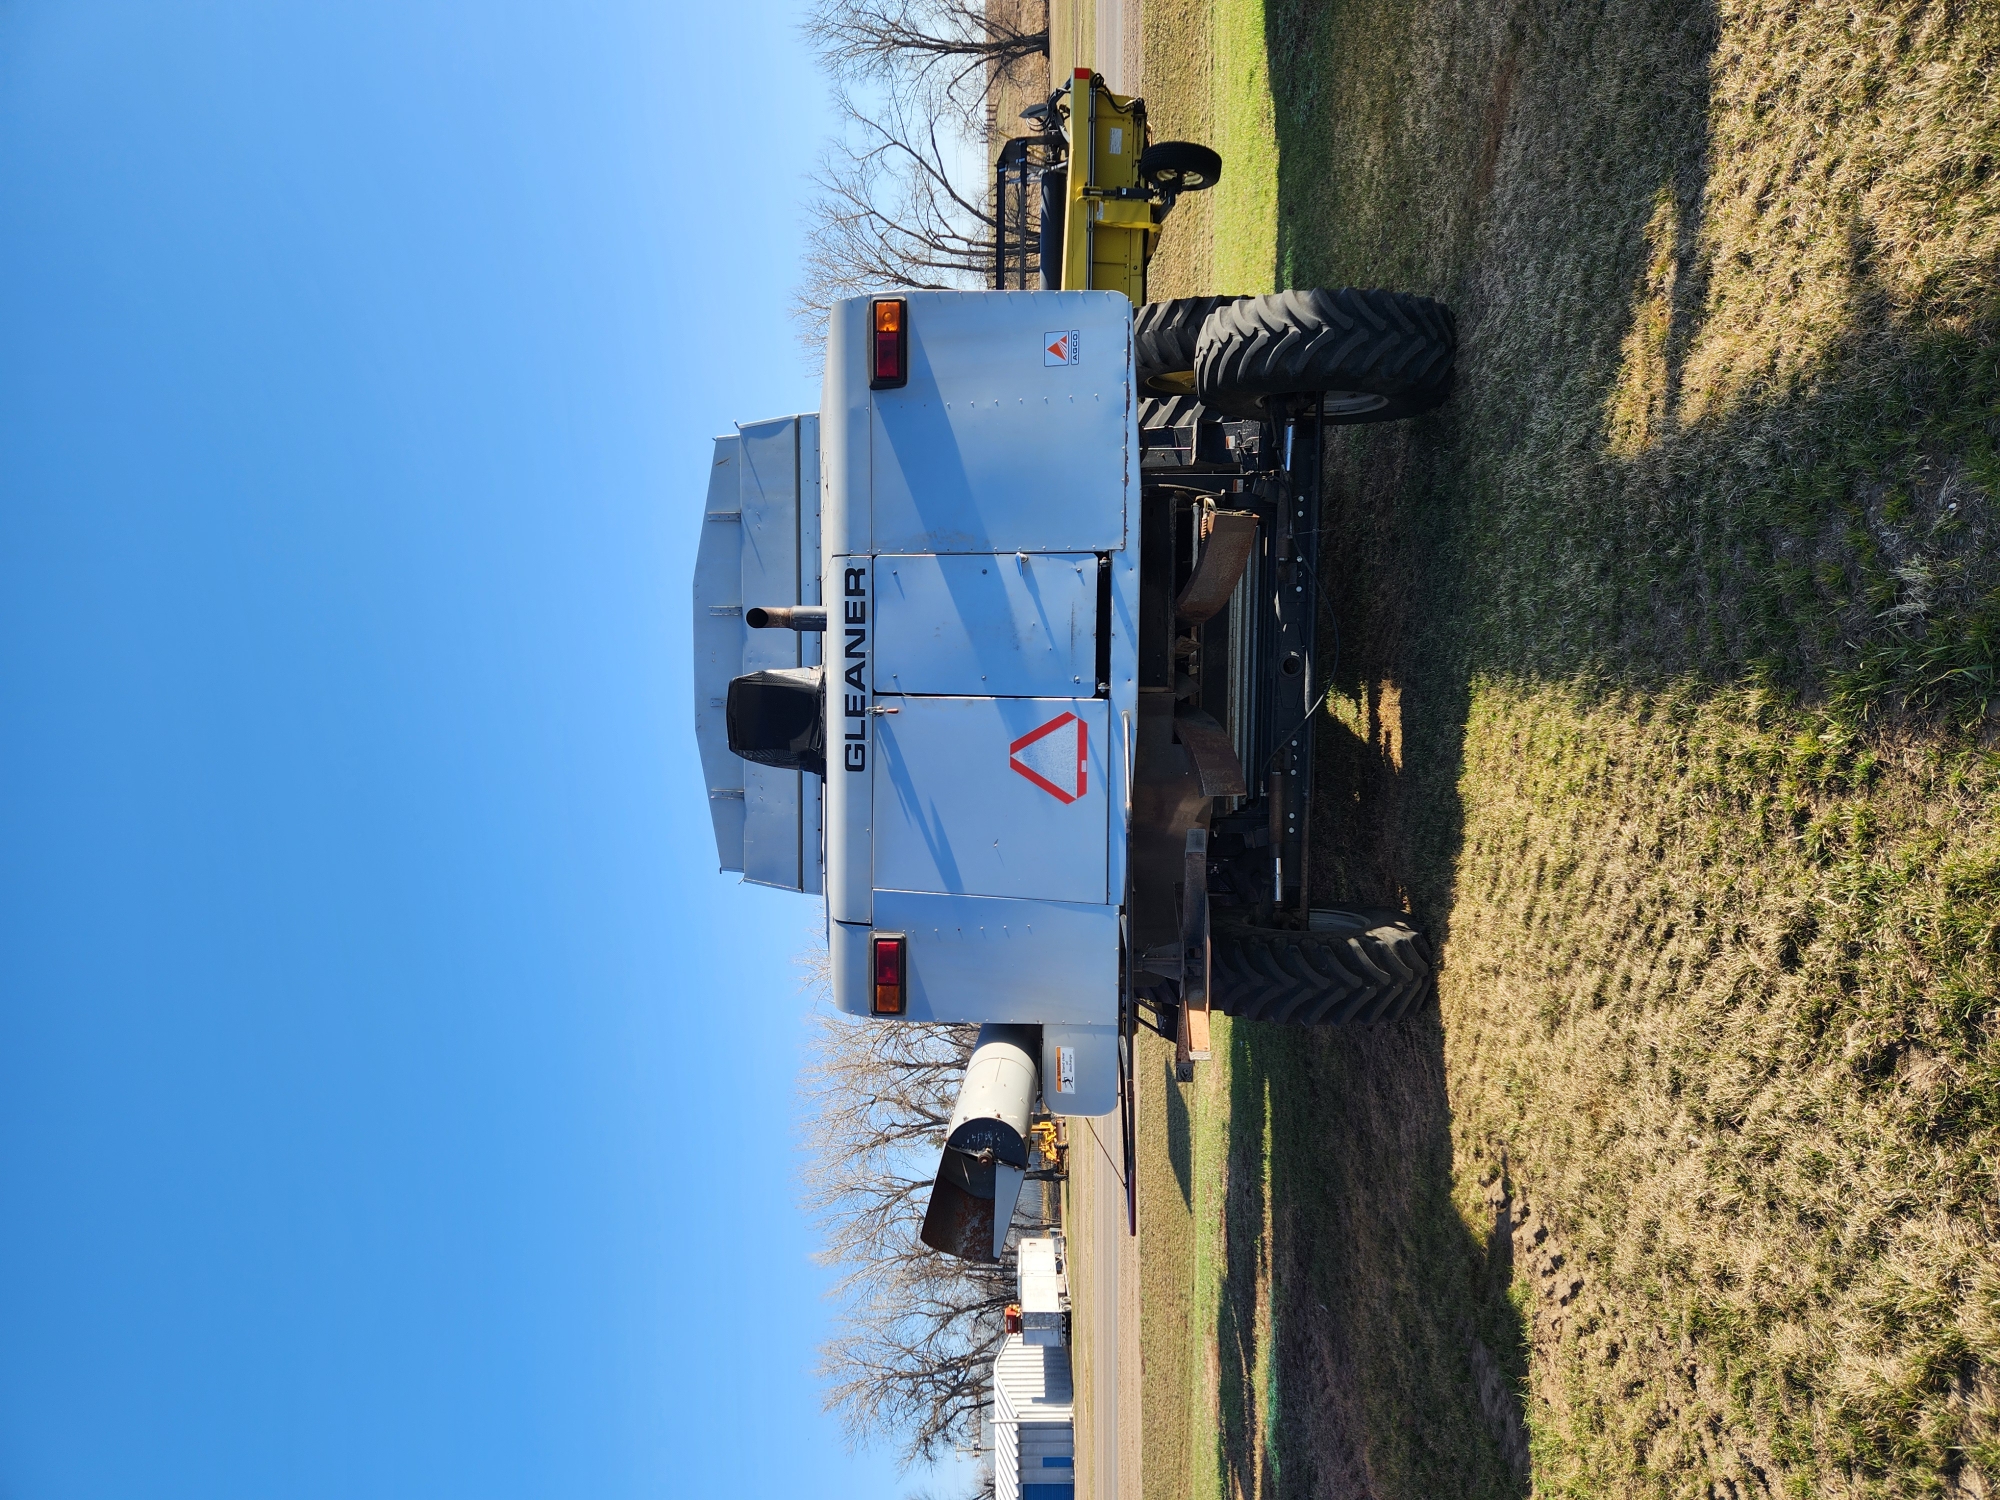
x: 1008, y: 651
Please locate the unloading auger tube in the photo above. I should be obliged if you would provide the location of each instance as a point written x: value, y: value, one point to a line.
x: 985, y: 1157
x: 1010, y: 654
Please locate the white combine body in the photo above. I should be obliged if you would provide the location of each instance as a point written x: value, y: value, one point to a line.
x: 972, y: 537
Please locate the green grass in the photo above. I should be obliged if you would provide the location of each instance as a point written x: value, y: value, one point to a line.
x: 1723, y: 985
x: 1663, y: 698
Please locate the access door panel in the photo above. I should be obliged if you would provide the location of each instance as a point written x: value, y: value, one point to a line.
x: 1012, y: 433
x: 1014, y: 626
x: 993, y: 797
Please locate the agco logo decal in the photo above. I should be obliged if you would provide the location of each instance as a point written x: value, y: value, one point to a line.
x: 1055, y: 757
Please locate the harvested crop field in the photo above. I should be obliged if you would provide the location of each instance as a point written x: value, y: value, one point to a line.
x: 1661, y: 691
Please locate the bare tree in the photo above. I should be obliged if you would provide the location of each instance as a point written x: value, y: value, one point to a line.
x: 912, y: 1354
x: 892, y: 210
x: 903, y: 198
x: 943, y: 55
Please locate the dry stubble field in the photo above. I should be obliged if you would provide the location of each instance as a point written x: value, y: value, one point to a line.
x: 1664, y: 659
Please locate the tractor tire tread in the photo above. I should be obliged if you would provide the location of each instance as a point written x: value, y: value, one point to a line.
x: 1376, y: 968
x: 1166, y: 334
x: 1392, y: 344
x: 1171, y: 411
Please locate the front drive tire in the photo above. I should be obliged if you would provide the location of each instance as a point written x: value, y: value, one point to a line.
x: 1352, y: 967
x: 1369, y: 356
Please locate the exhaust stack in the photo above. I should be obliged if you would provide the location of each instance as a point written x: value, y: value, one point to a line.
x: 986, y: 1151
x: 805, y: 618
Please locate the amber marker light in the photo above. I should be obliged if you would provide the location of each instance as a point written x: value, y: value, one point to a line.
x: 889, y: 358
x: 891, y: 974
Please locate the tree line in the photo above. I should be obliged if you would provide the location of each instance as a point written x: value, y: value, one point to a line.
x: 911, y: 1356
x: 901, y: 196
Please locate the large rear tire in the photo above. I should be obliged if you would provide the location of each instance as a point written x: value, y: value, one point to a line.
x: 1351, y: 967
x: 1369, y: 356
x: 1164, y: 335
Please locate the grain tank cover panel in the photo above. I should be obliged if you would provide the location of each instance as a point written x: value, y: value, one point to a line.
x: 1013, y: 626
x: 759, y: 545
x: 718, y: 648
x: 778, y: 493
x: 768, y: 492
x: 1012, y: 434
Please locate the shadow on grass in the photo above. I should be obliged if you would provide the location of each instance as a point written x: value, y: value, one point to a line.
x: 1616, y: 495
x: 1367, y: 1344
x: 1354, y: 1373
x: 1367, y: 1341
x: 1679, y: 448
x: 1180, y: 1136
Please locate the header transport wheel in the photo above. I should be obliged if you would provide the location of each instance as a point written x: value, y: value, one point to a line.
x: 1369, y: 356
x: 1348, y: 967
x: 1164, y: 335
x: 1174, y: 167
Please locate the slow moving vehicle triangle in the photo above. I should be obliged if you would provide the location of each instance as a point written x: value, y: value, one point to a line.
x: 1055, y: 757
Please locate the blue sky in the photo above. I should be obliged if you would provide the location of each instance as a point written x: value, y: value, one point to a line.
x: 395, y: 1100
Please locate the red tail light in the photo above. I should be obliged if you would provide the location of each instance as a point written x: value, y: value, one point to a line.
x: 889, y: 359
x: 891, y: 974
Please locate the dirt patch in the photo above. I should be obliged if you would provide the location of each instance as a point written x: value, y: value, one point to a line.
x: 1496, y: 120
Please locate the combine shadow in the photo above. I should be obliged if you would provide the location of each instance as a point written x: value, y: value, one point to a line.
x: 1367, y: 1344
x: 1180, y: 1135
x: 1546, y: 172
x: 1358, y: 1313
